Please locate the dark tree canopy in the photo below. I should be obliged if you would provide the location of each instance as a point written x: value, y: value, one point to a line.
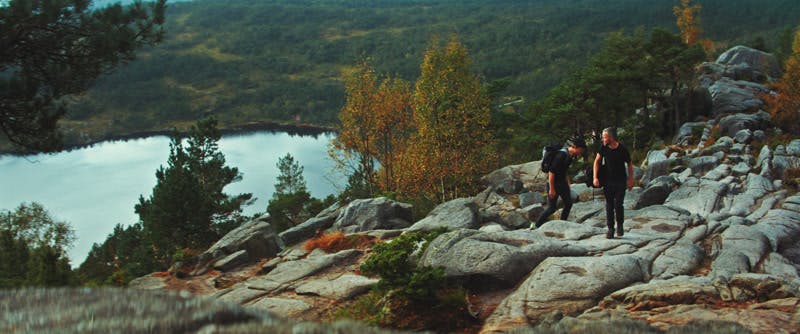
x: 53, y: 48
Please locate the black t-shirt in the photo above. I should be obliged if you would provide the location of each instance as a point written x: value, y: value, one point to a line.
x: 613, y: 162
x: 560, y: 165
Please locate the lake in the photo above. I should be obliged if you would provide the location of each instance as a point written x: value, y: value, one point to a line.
x: 97, y: 187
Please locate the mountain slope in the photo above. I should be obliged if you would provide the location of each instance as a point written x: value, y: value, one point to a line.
x: 280, y: 61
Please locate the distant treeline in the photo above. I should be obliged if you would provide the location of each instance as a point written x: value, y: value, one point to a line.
x: 281, y: 61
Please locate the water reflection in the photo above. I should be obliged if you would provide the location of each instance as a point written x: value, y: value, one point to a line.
x: 97, y: 187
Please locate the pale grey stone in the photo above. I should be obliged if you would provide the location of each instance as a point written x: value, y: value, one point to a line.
x: 373, y: 214
x: 697, y: 196
x: 343, y: 287
x: 288, y: 308
x: 455, y: 214
x: 567, y: 284
x: 308, y: 229
x: 680, y: 259
x: 232, y: 261
x: 777, y: 265
x: 257, y: 237
x: 530, y: 198
x: 744, y: 136
x: 148, y: 282
x: 501, y: 258
x: 288, y: 272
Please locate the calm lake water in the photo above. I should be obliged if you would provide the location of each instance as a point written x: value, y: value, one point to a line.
x: 97, y: 187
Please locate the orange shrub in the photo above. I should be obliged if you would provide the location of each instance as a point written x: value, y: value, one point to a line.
x: 337, y: 241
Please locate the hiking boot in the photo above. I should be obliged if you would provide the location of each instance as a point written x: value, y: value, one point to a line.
x: 610, y: 234
x: 620, y: 232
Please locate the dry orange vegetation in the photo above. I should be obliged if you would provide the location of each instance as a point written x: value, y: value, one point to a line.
x: 337, y: 241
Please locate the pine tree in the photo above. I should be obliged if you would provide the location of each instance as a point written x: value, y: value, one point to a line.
x: 290, y: 179
x: 50, y: 49
x: 188, y: 208
x: 289, y: 204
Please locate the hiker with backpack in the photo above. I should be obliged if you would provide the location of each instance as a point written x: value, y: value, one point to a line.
x: 610, y: 173
x: 556, y: 162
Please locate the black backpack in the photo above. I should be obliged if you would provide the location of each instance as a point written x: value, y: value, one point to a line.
x: 589, y: 172
x: 548, y: 153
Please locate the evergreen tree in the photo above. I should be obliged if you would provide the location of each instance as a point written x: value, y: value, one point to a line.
x: 50, y: 49
x: 290, y: 203
x: 290, y: 179
x: 188, y: 208
x: 123, y: 256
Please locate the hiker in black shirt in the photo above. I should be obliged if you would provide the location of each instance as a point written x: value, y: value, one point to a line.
x: 558, y: 180
x: 612, y: 159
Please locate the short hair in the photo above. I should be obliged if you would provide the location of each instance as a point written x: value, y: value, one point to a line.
x: 611, y: 131
x: 577, y: 142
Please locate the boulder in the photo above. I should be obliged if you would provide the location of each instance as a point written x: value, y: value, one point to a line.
x: 532, y: 212
x: 656, y: 169
x: 530, y: 174
x: 308, y: 229
x: 744, y: 136
x: 673, y: 291
x: 286, y: 273
x: 730, y: 96
x: 569, y: 285
x: 763, y: 64
x: 231, y: 261
x: 718, y: 173
x: 283, y: 307
x: 656, y: 193
x: 456, y: 214
x: 701, y: 165
x: 680, y: 259
x: 697, y: 196
x: 793, y: 148
x: 373, y: 214
x: 343, y: 287
x: 741, y: 248
x: 689, y: 133
x: 785, y: 159
x: 257, y: 237
x: 781, y: 228
x: 777, y: 265
x: 530, y: 198
x: 730, y: 125
x: 492, y: 259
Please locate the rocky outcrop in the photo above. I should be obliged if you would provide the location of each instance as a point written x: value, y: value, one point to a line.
x: 732, y: 124
x: 256, y: 238
x: 111, y: 310
x: 373, y: 214
x: 457, y: 214
x: 763, y: 65
x: 308, y: 229
x: 731, y: 96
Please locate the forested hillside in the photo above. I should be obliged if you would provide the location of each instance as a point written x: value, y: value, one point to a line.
x: 281, y: 61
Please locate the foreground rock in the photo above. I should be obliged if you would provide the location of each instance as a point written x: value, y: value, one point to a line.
x: 132, y: 311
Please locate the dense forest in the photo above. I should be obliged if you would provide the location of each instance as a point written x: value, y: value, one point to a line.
x: 248, y: 61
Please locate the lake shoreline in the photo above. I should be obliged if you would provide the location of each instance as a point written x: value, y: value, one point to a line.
x: 239, y: 129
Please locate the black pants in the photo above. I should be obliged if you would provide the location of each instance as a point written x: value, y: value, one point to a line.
x: 563, y: 191
x: 615, y: 195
